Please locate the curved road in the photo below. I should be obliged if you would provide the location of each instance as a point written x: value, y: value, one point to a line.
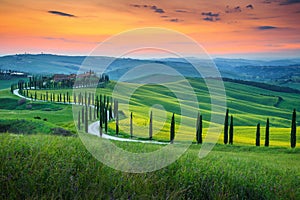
x: 94, y: 127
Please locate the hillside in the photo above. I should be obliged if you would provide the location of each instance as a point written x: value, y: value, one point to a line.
x: 278, y: 72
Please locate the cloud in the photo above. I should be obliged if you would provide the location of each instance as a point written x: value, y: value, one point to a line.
x: 135, y: 5
x: 250, y: 6
x: 181, y: 11
x: 54, y: 12
x: 211, y: 19
x: 175, y: 20
x: 210, y: 16
x: 288, y: 2
x: 158, y: 10
x: 233, y: 10
x: 164, y: 16
x: 154, y: 8
x: 266, y: 27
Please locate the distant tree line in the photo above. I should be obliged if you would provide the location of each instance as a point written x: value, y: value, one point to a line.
x: 62, y: 82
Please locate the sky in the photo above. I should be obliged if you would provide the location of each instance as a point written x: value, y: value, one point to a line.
x: 237, y: 29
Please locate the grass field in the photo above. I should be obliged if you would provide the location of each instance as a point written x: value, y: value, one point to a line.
x: 55, y: 167
x: 248, y: 105
x: 38, y: 165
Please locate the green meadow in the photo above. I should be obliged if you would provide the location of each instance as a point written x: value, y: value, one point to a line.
x: 37, y: 164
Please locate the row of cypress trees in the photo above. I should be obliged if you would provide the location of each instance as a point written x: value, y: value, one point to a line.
x: 103, y: 110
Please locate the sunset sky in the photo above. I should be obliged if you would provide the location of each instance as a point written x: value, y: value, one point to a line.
x: 246, y: 29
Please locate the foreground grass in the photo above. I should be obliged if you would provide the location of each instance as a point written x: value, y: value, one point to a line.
x: 40, y: 166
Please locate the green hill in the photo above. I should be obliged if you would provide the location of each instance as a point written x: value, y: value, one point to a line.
x: 248, y: 104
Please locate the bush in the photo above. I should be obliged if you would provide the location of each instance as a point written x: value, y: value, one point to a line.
x: 61, y: 131
x: 22, y: 101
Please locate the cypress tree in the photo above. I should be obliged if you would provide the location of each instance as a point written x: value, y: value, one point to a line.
x: 293, y: 130
x: 131, y: 127
x: 199, y: 129
x: 64, y: 98
x: 82, y: 114
x: 93, y: 99
x: 74, y: 98
x: 100, y: 127
x: 86, y: 119
x: 267, y: 133
x: 91, y: 113
x: 97, y: 106
x: 226, y: 127
x: 117, y: 123
x: 150, y: 127
x: 231, y: 130
x: 105, y: 121
x: 110, y: 112
x: 79, y: 120
x: 68, y: 98
x: 258, y: 135
x: 95, y: 113
x: 172, y: 129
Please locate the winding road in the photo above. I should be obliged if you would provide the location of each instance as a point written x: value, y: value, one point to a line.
x: 94, y: 127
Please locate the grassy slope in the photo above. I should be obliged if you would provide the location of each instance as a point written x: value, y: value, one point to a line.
x: 56, y: 114
x: 249, y: 105
x: 39, y: 166
x: 7, y: 83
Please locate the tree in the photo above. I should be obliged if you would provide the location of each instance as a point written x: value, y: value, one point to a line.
x: 74, y: 98
x: 199, y: 129
x: 79, y: 120
x: 90, y: 113
x: 97, y: 106
x: 82, y: 114
x: 267, y: 133
x: 231, y: 130
x: 150, y: 127
x: 172, y: 129
x: 226, y: 127
x: 100, y: 126
x: 131, y: 127
x: 293, y: 130
x: 258, y: 135
x: 105, y: 119
x: 117, y: 123
x: 86, y: 119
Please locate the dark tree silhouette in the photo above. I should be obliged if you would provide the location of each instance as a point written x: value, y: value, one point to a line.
x: 150, y: 127
x: 258, y: 135
x: 226, y: 128
x: 172, y: 129
x: 293, y: 130
x: 131, y: 126
x: 199, y: 129
x: 105, y: 119
x: 86, y: 119
x: 79, y: 120
x: 267, y: 133
x: 231, y: 130
x: 82, y: 114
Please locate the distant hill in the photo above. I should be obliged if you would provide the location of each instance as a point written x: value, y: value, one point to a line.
x: 280, y: 72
